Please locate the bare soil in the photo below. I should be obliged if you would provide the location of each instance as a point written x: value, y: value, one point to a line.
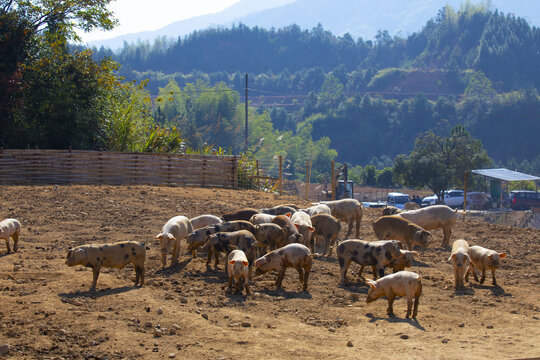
x: 184, y: 312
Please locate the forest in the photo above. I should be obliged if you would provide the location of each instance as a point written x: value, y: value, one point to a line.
x: 312, y: 95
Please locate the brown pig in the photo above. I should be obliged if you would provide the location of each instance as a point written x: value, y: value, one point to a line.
x: 116, y: 255
x: 294, y: 255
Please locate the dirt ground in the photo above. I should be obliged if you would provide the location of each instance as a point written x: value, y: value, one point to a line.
x: 47, y: 312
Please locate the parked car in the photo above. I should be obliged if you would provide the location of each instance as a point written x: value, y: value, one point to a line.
x: 397, y: 199
x: 452, y: 198
x: 523, y: 199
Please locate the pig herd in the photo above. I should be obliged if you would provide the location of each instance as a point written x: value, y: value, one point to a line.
x: 281, y: 237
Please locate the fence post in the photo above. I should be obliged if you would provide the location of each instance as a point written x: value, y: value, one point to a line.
x: 307, y: 175
x: 333, y: 181
x: 258, y: 179
x: 280, y: 175
x: 465, y: 195
x: 235, y: 172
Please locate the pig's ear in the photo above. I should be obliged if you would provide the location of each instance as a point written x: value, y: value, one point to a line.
x: 297, y: 226
x: 245, y: 263
x: 260, y: 261
x: 158, y: 236
x: 231, y: 262
x: 70, y: 251
x: 257, y: 227
x: 171, y: 237
x: 288, y: 215
x: 371, y: 284
x: 502, y: 255
x: 415, y: 253
x: 311, y: 228
x: 451, y: 257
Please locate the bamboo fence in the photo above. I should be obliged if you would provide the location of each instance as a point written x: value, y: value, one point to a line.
x: 36, y: 166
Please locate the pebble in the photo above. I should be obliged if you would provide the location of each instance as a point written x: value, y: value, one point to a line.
x: 331, y: 329
x: 160, y: 311
x: 246, y: 324
x: 205, y: 316
x: 404, y: 336
x: 349, y: 343
x: 183, y: 300
x: 158, y: 333
x: 172, y: 355
x: 489, y: 326
x: 462, y: 325
x: 445, y: 341
x: 4, y: 349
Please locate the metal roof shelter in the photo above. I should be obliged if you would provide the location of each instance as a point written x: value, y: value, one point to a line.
x: 505, y: 175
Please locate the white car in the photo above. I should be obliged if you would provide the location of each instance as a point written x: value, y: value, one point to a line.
x: 452, y: 198
x: 397, y: 199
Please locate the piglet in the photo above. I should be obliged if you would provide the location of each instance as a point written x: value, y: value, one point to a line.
x: 460, y: 260
x: 238, y: 268
x: 484, y: 259
x: 403, y: 283
x: 293, y: 255
x: 10, y: 228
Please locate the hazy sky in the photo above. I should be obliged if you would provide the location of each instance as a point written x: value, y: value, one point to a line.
x: 142, y: 15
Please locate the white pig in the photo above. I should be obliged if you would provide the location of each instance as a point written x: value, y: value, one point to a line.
x: 484, y: 259
x: 460, y: 260
x: 403, y: 283
x: 10, y: 228
x: 238, y: 270
x: 172, y: 233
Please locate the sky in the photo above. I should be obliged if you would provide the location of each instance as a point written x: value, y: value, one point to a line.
x: 141, y: 15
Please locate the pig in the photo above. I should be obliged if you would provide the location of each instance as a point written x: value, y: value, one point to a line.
x: 376, y: 253
x: 238, y: 270
x: 347, y: 210
x: 226, y: 242
x: 270, y: 236
x: 390, y: 210
x: 397, y: 228
x: 406, y: 259
x: 327, y: 230
x: 403, y: 283
x: 460, y: 260
x: 433, y: 217
x: 484, y: 259
x: 10, y: 228
x: 279, y: 210
x: 261, y: 219
x: 292, y: 236
x: 115, y: 255
x: 197, y: 238
x: 317, y: 209
x: 244, y: 214
x: 204, y: 220
x: 295, y: 255
x: 172, y: 233
x: 302, y: 221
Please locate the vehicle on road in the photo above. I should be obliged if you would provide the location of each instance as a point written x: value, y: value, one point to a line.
x: 452, y: 198
x: 397, y: 199
x: 523, y: 200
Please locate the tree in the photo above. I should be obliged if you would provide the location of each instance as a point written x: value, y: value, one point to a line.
x: 438, y: 162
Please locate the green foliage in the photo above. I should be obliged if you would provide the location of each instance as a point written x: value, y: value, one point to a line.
x: 440, y: 162
x: 385, y: 78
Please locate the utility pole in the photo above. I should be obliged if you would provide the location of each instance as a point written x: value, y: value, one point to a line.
x: 246, y: 126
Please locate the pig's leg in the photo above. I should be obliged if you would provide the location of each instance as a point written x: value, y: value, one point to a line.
x: 390, y: 309
x: 357, y: 221
x: 7, y: 245
x: 137, y: 275
x: 208, y: 257
x: 307, y: 269
x: 216, y: 260
x: 175, y: 252
x: 493, y: 276
x: 15, y: 241
x: 280, y: 276
x: 300, y: 272
x: 349, y: 230
x: 343, y: 266
x: 230, y: 281
x: 95, y: 272
x: 416, y: 302
x: 483, y: 275
x: 447, y: 232
x: 246, y: 285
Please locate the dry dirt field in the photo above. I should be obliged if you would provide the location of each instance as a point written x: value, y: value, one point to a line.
x: 47, y: 312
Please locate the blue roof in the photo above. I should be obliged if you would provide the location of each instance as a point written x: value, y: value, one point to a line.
x: 505, y: 175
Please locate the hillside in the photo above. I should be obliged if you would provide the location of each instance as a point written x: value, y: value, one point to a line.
x: 360, y: 18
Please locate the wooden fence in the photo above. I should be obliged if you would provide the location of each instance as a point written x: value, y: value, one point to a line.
x: 33, y: 166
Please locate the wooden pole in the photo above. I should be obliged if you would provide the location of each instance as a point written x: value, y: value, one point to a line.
x: 333, y: 170
x: 307, y: 175
x: 280, y: 175
x: 246, y: 126
x: 465, y: 196
x: 258, y: 179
